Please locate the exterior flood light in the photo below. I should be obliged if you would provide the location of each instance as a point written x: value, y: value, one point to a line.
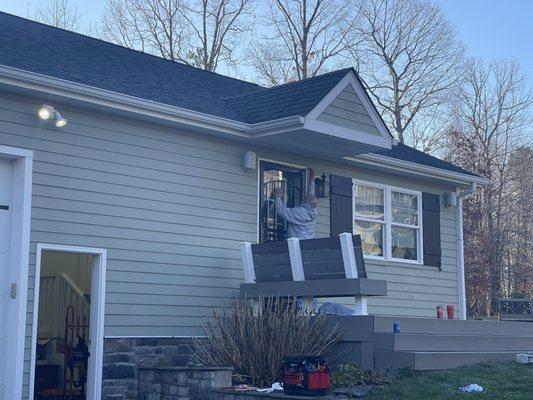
x: 60, y: 121
x: 47, y: 112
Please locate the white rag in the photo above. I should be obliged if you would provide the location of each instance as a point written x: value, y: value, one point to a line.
x: 473, y: 387
x: 275, y: 386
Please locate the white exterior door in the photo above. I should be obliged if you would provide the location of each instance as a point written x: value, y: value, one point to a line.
x: 6, y: 207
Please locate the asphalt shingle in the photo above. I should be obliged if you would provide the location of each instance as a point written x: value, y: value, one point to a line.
x: 42, y: 49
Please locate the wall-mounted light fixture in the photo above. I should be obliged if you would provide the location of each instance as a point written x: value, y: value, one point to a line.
x: 321, y: 186
x: 249, y: 160
x: 47, y: 112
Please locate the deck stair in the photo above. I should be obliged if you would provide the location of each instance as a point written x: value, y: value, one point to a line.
x: 431, y: 344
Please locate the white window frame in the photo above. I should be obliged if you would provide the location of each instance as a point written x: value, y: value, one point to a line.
x: 387, y: 222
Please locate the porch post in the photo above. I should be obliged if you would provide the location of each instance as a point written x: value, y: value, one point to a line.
x: 348, y: 255
x: 295, y: 256
x: 361, y: 305
x: 248, y: 262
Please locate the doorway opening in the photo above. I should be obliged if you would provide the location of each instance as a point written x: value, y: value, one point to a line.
x: 274, y: 176
x: 68, y: 323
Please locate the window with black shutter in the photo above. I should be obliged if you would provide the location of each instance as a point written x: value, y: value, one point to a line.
x: 431, y: 227
x: 341, y: 203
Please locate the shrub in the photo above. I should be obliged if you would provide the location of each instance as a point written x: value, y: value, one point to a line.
x: 350, y: 375
x: 255, y: 343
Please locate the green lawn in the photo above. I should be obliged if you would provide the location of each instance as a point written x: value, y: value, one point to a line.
x: 505, y: 381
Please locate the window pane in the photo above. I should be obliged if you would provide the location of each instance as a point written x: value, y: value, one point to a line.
x: 369, y: 202
x: 404, y: 243
x: 371, y: 237
x: 404, y: 208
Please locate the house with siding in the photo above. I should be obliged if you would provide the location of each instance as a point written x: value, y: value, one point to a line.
x: 128, y: 183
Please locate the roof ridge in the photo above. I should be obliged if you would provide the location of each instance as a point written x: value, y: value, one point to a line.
x: 127, y: 48
x: 283, y: 85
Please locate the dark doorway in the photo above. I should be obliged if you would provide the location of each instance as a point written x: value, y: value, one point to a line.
x: 273, y: 176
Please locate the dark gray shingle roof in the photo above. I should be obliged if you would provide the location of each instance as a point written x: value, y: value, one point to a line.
x: 296, y: 98
x: 407, y: 153
x: 39, y: 48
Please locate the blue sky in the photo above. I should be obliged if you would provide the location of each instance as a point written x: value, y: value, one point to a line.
x: 491, y: 29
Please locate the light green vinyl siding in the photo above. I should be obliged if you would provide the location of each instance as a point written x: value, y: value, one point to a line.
x: 171, y: 208
x: 347, y: 111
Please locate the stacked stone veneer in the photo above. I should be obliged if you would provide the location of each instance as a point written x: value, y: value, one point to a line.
x: 123, y: 357
x: 181, y: 383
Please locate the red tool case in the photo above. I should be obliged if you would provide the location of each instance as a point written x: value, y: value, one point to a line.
x: 305, y: 375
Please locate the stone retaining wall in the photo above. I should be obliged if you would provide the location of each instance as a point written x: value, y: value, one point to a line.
x: 124, y: 356
x: 181, y: 383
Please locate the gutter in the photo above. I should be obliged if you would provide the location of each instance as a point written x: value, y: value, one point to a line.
x: 418, y: 169
x: 460, y: 248
x: 148, y: 108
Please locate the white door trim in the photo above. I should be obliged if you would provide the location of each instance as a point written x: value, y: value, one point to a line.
x: 97, y: 313
x: 19, y: 250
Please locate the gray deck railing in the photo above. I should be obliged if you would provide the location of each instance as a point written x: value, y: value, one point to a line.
x: 324, y: 267
x: 515, y: 309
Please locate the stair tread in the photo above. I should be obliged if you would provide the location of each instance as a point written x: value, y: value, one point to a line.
x: 454, y: 335
x: 456, y: 352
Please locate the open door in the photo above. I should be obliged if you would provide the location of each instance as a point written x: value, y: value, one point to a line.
x: 274, y: 176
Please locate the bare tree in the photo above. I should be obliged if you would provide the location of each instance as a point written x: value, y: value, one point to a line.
x: 492, y: 115
x: 307, y: 36
x: 202, y: 33
x: 407, y: 55
x: 59, y: 13
x: 155, y: 26
x: 217, y: 25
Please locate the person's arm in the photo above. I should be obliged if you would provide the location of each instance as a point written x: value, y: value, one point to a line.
x: 283, y: 211
x: 311, y: 182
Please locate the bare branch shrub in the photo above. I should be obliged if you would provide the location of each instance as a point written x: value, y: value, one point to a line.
x: 256, y: 343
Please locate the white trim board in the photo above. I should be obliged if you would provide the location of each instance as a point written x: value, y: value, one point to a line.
x: 311, y: 122
x: 417, y: 169
x: 11, y: 387
x: 97, y: 314
x: 388, y: 224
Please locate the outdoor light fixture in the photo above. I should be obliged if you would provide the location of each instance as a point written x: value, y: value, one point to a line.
x: 321, y: 186
x: 47, y: 112
x: 60, y: 121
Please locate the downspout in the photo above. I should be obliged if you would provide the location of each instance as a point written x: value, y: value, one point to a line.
x: 460, y: 248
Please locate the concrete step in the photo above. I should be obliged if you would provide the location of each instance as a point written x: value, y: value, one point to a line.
x: 420, y: 360
x: 453, y: 327
x: 453, y: 343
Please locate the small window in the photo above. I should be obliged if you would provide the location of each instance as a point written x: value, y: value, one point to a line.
x: 389, y: 221
x: 370, y: 218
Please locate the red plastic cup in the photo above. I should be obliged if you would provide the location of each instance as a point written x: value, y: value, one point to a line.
x: 439, y: 312
x: 450, y: 309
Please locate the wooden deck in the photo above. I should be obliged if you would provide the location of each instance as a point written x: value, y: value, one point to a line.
x: 428, y: 344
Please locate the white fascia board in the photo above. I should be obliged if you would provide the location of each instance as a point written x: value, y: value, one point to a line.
x: 76, y: 91
x: 85, y: 93
x: 418, y: 169
x: 350, y: 80
x: 348, y: 134
x: 276, y: 126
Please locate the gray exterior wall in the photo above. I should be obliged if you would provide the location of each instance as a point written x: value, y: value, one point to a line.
x: 171, y: 208
x: 346, y: 110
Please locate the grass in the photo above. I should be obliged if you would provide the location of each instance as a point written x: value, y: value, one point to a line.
x: 500, y: 381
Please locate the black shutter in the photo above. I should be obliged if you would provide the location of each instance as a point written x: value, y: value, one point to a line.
x: 431, y: 227
x: 341, y: 213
